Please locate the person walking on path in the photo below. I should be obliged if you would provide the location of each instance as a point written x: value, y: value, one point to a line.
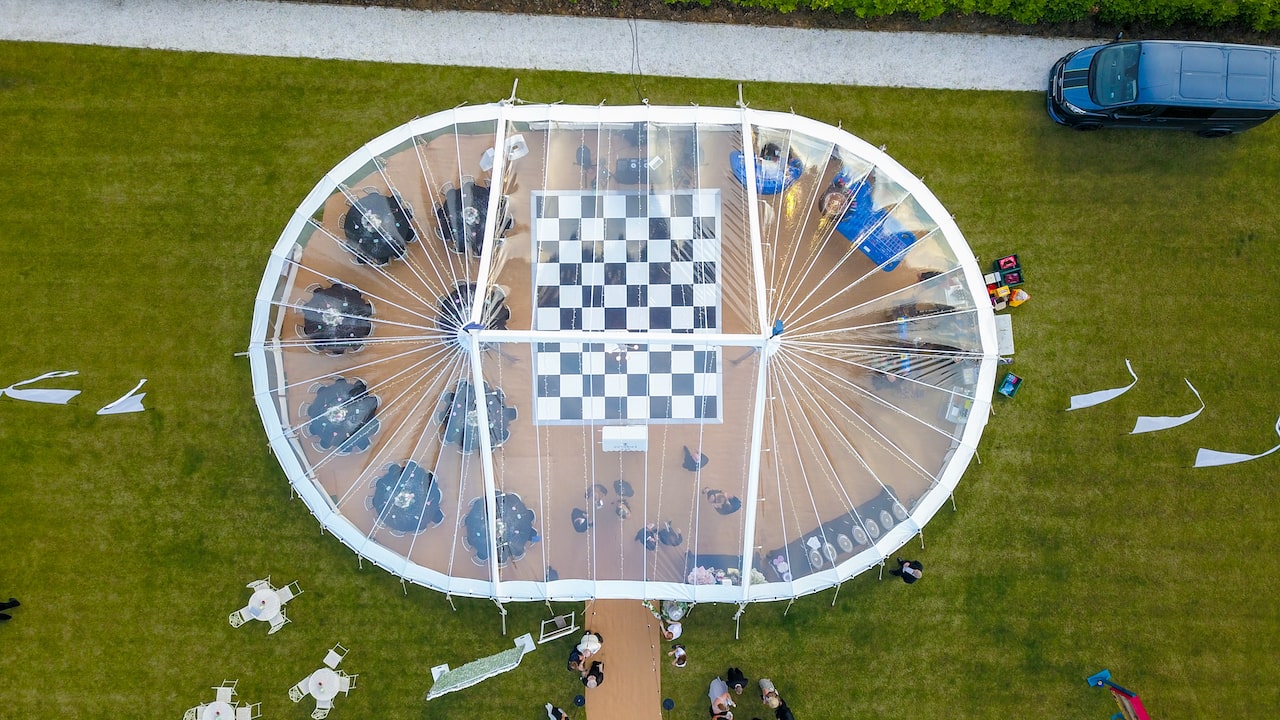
x: 909, y: 570
x: 12, y: 603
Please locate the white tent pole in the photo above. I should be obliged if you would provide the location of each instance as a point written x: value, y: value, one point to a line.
x: 503, y: 612
x: 837, y: 593
x: 737, y: 618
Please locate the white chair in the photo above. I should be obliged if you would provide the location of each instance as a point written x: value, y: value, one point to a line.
x: 226, y: 692
x: 249, y: 712
x: 320, y: 713
x: 296, y: 693
x: 347, y: 683
x: 192, y: 713
x: 236, y: 618
x: 334, y: 657
x: 558, y: 627
x: 288, y: 592
x: 260, y: 583
x: 278, y: 622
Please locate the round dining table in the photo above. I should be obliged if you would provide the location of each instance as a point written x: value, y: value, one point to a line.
x: 377, y: 227
x: 323, y: 684
x: 461, y: 418
x: 407, y: 498
x: 462, y: 217
x: 337, y: 314
x: 343, y: 411
x: 264, y: 605
x: 218, y: 711
x: 514, y: 521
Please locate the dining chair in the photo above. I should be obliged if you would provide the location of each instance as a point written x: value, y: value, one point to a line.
x: 192, y: 713
x: 278, y: 622
x: 226, y: 691
x: 260, y: 583
x: 335, y: 655
x: 447, y: 187
x: 288, y: 592
x: 249, y: 712
x: 296, y: 693
x: 320, y: 713
x: 236, y: 618
x: 346, y: 683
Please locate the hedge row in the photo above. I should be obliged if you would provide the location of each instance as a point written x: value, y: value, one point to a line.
x: 1261, y: 15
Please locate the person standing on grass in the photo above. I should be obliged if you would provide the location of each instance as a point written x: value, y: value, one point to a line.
x: 12, y: 603
x: 909, y: 570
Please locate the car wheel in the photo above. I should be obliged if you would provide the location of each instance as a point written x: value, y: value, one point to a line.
x: 1088, y: 126
x: 1214, y: 133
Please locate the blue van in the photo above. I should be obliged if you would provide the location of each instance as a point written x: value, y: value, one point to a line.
x: 1214, y: 89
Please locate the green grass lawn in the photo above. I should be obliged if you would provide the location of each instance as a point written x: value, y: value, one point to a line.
x: 144, y: 190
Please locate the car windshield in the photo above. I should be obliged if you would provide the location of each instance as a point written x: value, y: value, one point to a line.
x: 1113, y: 77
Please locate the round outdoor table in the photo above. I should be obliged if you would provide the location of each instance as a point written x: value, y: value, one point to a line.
x: 218, y: 711
x: 323, y: 684
x: 378, y: 228
x: 264, y: 605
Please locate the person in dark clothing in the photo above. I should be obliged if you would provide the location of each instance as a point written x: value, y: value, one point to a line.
x: 12, y: 603
x: 595, y: 676
x: 730, y: 505
x: 580, y: 521
x: 669, y: 535
x: 736, y: 679
x: 694, y: 460
x: 575, y: 661
x: 782, y: 712
x: 648, y: 536
x: 909, y: 570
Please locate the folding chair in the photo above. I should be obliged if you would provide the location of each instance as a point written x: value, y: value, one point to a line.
x: 288, y: 592
x: 346, y: 683
x: 226, y: 692
x: 334, y: 656
x: 278, y: 622
x: 249, y: 712
x: 236, y: 618
x: 558, y: 627
x: 260, y: 583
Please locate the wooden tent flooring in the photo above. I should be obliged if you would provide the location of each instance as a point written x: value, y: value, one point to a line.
x: 632, y: 651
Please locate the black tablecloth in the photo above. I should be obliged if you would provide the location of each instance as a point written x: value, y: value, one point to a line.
x: 455, y: 309
x: 460, y: 417
x: 407, y: 498
x: 462, y: 217
x: 515, y: 527
x: 336, y: 314
x: 378, y: 227
x: 343, y: 415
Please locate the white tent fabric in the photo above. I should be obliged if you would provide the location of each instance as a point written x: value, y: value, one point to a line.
x: 43, y: 395
x: 1101, y: 396
x: 1213, y: 458
x: 687, y: 353
x: 130, y: 402
x: 1147, y: 423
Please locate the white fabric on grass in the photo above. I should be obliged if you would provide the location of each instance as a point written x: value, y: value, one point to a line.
x: 1213, y: 458
x: 1147, y: 423
x: 128, y: 403
x: 1101, y: 396
x: 43, y: 395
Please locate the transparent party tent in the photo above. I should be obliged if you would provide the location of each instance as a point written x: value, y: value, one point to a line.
x: 533, y: 352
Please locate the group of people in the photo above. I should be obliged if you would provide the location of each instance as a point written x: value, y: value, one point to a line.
x: 650, y: 535
x: 735, y: 682
x: 580, y: 659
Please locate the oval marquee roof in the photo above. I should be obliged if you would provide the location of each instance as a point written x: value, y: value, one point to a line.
x: 689, y: 353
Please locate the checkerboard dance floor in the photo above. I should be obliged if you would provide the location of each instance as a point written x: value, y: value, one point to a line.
x: 636, y: 262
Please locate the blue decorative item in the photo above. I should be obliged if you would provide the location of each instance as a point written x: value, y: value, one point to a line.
x: 579, y: 700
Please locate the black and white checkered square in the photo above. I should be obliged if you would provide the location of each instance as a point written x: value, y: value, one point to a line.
x: 627, y: 261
